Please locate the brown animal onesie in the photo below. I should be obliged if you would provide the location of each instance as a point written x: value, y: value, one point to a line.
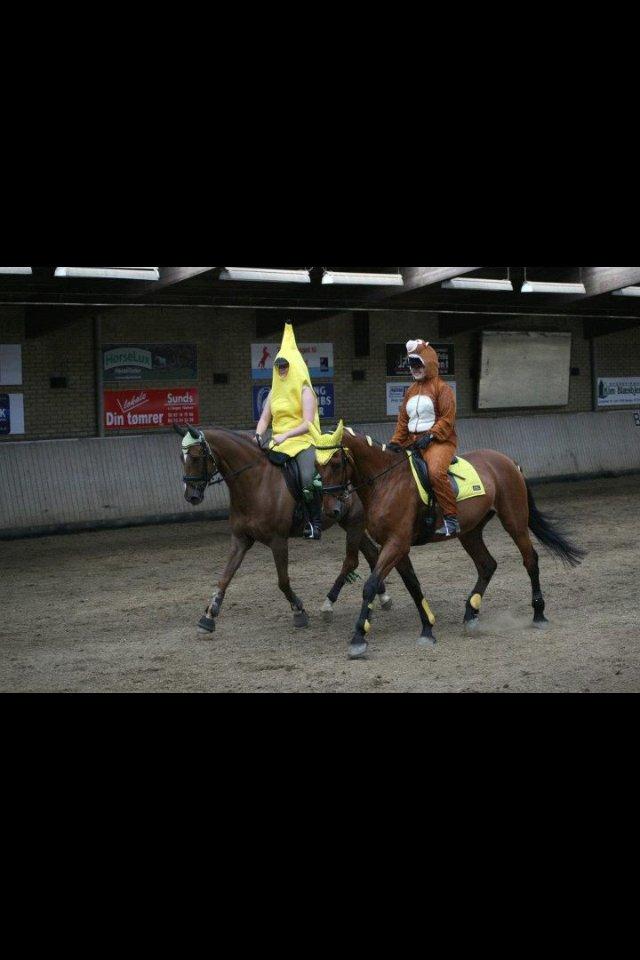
x: 429, y: 406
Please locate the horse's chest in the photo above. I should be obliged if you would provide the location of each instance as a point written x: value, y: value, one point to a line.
x: 421, y: 413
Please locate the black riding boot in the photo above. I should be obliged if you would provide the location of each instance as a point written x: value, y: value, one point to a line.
x: 313, y: 528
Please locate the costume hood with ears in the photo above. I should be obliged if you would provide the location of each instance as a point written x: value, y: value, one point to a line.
x: 422, y: 350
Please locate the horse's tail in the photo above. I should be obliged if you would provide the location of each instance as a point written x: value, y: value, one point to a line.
x: 550, y: 535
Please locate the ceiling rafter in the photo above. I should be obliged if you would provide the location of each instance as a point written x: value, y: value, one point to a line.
x: 169, y: 276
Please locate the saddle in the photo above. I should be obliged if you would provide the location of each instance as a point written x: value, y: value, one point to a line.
x: 420, y: 471
x: 291, y: 474
x: 465, y: 483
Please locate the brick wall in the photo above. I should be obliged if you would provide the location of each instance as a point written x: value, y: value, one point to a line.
x: 223, y: 337
x: 64, y: 352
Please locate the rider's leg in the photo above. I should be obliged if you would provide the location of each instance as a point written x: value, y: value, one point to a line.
x: 439, y: 456
x: 306, y: 460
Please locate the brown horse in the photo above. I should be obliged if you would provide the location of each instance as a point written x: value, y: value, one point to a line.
x: 394, y: 513
x: 262, y: 509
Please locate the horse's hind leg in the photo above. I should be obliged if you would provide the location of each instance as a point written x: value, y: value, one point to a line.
x: 239, y: 547
x: 280, y: 550
x: 486, y: 567
x: 519, y: 533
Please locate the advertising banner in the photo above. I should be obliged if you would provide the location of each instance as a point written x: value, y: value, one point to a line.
x: 396, y: 356
x: 326, y: 400
x: 396, y: 392
x: 317, y: 356
x: 614, y: 391
x: 10, y: 364
x: 149, y: 361
x: 5, y: 413
x: 260, y: 394
x: 150, y: 409
x: 11, y: 413
x: 324, y: 393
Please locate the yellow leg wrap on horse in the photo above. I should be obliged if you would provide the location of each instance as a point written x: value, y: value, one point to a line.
x: 475, y: 601
x: 367, y: 626
x: 427, y: 609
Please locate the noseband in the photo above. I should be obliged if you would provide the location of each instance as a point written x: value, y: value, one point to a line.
x: 341, y: 488
x: 208, y: 478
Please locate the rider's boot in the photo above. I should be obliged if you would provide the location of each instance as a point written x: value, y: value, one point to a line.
x: 313, y: 528
x: 450, y: 527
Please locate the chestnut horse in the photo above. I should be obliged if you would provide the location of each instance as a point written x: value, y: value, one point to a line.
x: 394, y: 510
x: 262, y: 509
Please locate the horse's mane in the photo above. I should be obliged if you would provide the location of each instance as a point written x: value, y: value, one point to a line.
x: 383, y: 447
x: 245, y: 437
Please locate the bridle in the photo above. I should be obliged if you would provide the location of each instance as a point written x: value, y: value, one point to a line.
x: 346, y: 486
x: 210, y: 478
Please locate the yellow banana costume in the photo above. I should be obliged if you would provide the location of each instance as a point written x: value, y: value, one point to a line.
x: 286, y: 396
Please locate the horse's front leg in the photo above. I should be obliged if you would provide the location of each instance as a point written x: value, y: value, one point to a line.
x: 240, y: 543
x: 349, y: 565
x: 390, y: 555
x: 371, y: 553
x: 280, y: 550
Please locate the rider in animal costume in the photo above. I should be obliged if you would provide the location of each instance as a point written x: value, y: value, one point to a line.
x: 290, y: 404
x: 427, y: 418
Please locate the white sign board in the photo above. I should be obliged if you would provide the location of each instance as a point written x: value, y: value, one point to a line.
x: 396, y: 392
x: 523, y: 369
x: 614, y: 391
x: 317, y: 356
x: 10, y: 363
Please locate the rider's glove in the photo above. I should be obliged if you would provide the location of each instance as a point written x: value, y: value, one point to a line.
x: 258, y: 440
x: 395, y: 447
x: 424, y: 442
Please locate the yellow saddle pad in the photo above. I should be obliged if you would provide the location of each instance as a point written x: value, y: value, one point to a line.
x: 463, y: 473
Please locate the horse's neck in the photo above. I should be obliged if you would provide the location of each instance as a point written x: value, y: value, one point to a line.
x: 232, y: 453
x: 367, y: 457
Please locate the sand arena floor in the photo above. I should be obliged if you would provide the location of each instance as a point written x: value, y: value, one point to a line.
x: 117, y: 611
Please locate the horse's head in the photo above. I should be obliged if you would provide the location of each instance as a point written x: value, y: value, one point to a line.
x: 336, y: 475
x: 199, y: 465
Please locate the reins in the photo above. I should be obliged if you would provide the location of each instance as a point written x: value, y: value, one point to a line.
x: 368, y: 482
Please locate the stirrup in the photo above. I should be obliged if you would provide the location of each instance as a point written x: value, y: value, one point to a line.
x: 450, y: 527
x: 312, y: 531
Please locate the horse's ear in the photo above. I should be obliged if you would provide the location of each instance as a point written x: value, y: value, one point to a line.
x: 193, y: 433
x: 180, y: 429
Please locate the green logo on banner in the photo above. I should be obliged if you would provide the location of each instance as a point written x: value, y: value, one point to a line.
x: 128, y: 356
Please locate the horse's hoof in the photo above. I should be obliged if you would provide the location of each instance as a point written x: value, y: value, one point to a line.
x: 472, y: 624
x: 540, y: 624
x: 206, y: 625
x: 386, y: 602
x: 327, y: 611
x: 357, y: 650
x: 426, y: 641
x: 301, y: 619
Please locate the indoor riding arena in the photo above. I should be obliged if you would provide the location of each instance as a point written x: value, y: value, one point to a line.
x: 110, y: 568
